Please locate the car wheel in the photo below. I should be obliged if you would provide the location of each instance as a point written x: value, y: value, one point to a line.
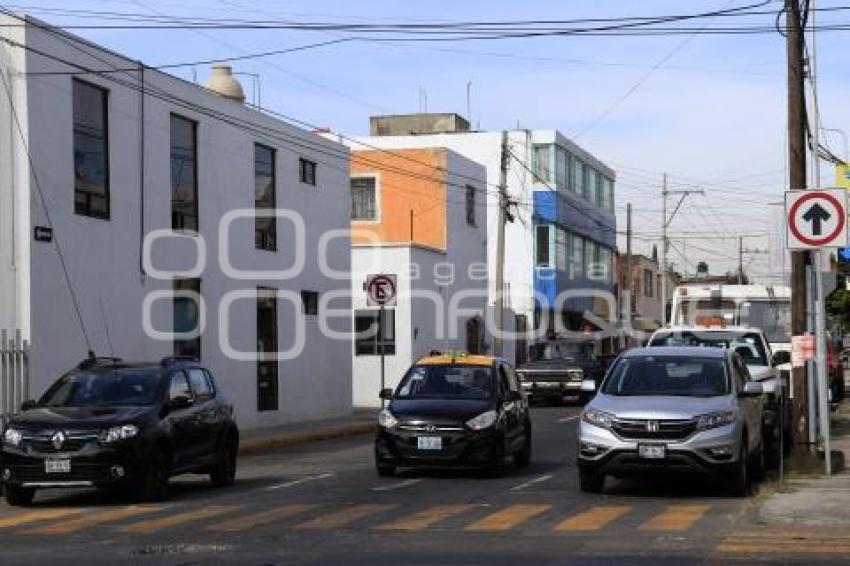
x: 385, y: 470
x: 522, y: 458
x: 19, y: 496
x: 154, y: 483
x: 223, y: 472
x: 590, y: 481
x: 738, y: 480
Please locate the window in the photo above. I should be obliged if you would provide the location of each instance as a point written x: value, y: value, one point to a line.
x: 265, y: 231
x: 184, y: 174
x: 307, y: 170
x: 374, y: 336
x: 592, y: 194
x: 578, y: 175
x: 200, y: 383
x: 91, y: 151
x: 179, y: 387
x: 364, y: 198
x: 561, y: 249
x: 267, y: 387
x: 543, y: 240
x: 601, y: 200
x: 310, y: 302
x: 543, y: 163
x: 648, y: 282
x: 608, y: 189
x: 562, y: 165
x: 585, y: 181
x: 187, y: 318
x: 589, y: 258
x: 470, y: 205
x: 577, y: 255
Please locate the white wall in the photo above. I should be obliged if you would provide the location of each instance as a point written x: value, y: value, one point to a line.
x: 103, y: 256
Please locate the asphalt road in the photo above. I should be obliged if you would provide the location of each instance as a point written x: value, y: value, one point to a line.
x: 324, y: 504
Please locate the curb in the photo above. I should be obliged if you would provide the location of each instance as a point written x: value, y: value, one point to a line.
x: 269, y: 443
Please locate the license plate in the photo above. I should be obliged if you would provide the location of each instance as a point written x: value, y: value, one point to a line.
x: 652, y: 451
x: 57, y: 466
x: 429, y: 443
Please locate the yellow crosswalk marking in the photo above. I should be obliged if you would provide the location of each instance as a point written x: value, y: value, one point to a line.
x: 78, y: 523
x: 344, y: 517
x: 153, y: 525
x: 33, y: 516
x: 675, y: 518
x: 593, y: 519
x: 262, y: 518
x: 508, y: 518
x: 424, y: 519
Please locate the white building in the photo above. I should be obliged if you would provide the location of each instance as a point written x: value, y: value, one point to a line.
x: 96, y: 155
x: 564, y: 222
x: 430, y: 232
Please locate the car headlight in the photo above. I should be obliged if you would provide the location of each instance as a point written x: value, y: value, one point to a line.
x: 386, y: 419
x: 482, y: 421
x: 714, y: 420
x: 12, y: 437
x: 117, y: 433
x: 598, y: 418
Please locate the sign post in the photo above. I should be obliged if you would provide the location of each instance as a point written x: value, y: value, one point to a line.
x: 381, y: 290
x: 817, y: 220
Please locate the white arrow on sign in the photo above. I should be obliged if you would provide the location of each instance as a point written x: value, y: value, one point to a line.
x: 816, y: 219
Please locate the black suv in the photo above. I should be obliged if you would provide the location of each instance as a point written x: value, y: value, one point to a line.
x: 108, y: 423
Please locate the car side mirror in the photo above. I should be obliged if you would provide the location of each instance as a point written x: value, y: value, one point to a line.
x: 180, y: 402
x: 386, y: 394
x: 27, y: 405
x: 751, y: 389
x: 781, y: 358
x: 588, y: 385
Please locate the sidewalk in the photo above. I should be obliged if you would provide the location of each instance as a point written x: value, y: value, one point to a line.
x: 816, y: 500
x: 257, y: 441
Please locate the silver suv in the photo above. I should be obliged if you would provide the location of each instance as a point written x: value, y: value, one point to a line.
x: 674, y: 409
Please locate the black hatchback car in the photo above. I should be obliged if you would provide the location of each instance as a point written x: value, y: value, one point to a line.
x: 453, y: 410
x: 108, y: 423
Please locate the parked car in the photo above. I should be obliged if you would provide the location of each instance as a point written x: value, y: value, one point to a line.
x: 454, y: 410
x: 676, y: 410
x: 108, y: 423
x: 752, y: 345
x: 555, y: 370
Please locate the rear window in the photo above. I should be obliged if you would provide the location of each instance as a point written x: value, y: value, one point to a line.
x: 668, y: 376
x: 447, y: 382
x: 124, y: 386
x: 748, y: 345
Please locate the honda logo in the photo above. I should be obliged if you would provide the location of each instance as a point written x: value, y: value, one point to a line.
x: 58, y: 439
x: 651, y: 426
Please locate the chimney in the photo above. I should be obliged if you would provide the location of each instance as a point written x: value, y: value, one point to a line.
x: 222, y: 82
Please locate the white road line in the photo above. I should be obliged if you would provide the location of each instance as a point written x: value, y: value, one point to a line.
x: 299, y: 482
x: 399, y: 485
x: 535, y: 481
x: 567, y: 419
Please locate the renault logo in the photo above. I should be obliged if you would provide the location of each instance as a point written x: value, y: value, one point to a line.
x: 651, y: 426
x: 58, y: 439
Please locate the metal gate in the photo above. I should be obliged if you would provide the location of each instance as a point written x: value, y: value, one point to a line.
x: 14, y: 373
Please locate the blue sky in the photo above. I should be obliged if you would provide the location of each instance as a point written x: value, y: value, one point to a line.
x: 713, y: 115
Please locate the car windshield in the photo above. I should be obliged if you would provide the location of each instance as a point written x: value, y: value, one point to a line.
x: 555, y: 351
x: 103, y: 388
x: 446, y: 382
x: 774, y: 319
x: 748, y: 345
x: 668, y: 376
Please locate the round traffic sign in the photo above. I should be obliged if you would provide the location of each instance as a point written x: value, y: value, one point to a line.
x: 381, y: 289
x: 817, y: 218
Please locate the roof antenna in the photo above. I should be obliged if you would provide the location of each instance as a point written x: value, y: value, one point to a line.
x: 106, y: 328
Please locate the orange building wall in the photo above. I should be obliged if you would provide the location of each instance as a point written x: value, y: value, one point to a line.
x: 408, y: 179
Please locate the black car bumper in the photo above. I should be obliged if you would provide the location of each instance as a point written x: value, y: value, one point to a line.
x: 93, y: 466
x: 627, y: 463
x: 460, y: 449
x: 552, y: 390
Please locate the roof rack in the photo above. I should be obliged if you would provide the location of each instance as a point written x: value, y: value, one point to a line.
x: 94, y: 361
x: 168, y: 360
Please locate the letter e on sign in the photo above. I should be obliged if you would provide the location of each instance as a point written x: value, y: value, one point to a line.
x: 381, y: 290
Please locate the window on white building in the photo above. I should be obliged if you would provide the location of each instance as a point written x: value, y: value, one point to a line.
x: 542, y: 163
x: 264, y: 198
x: 186, y: 316
x: 184, y: 174
x: 470, y: 205
x: 307, y: 171
x: 267, y: 364
x: 374, y: 336
x: 364, y: 198
x: 91, y: 150
x: 562, y: 162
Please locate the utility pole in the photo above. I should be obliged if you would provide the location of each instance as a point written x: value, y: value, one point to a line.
x: 665, y: 241
x: 627, y: 283
x: 500, y: 246
x: 740, y: 260
x: 797, y: 182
